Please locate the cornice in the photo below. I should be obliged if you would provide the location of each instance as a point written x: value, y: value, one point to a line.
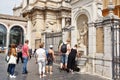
x: 62, y: 8
x: 54, y: 1
x: 15, y: 8
x: 37, y: 2
x: 13, y: 18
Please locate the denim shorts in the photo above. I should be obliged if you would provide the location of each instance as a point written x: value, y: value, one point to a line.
x: 64, y: 58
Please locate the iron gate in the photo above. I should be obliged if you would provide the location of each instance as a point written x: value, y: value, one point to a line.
x: 53, y: 39
x: 116, y: 51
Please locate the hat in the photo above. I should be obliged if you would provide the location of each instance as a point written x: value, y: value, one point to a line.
x: 51, y: 46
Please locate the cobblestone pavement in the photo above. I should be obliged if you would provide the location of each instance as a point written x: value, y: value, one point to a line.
x: 33, y: 72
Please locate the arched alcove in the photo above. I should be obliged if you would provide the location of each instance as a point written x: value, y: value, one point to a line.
x: 16, y: 35
x: 3, y: 34
x: 82, y: 28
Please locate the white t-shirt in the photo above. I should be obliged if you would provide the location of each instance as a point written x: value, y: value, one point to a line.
x: 40, y: 53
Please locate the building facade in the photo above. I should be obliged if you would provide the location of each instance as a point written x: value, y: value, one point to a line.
x: 35, y: 18
x: 93, y: 34
x: 44, y: 16
x: 13, y: 29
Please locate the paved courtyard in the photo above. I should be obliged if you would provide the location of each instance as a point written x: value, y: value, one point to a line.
x: 33, y: 72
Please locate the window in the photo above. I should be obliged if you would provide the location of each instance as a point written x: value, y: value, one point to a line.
x: 16, y: 35
x: 3, y: 33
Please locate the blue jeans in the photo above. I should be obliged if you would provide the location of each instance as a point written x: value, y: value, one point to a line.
x: 8, y: 69
x: 25, y: 61
x: 11, y: 69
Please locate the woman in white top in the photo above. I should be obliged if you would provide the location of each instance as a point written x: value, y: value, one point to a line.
x: 12, y: 61
x: 41, y: 59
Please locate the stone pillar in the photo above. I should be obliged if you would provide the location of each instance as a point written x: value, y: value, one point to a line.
x: 28, y: 35
x: 91, y: 46
x: 107, y: 51
x: 7, y: 43
x: 74, y: 33
x: 73, y: 37
x: 92, y: 40
x: 64, y: 33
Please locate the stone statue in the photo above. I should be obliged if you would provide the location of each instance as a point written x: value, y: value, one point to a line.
x: 67, y: 22
x: 82, y: 38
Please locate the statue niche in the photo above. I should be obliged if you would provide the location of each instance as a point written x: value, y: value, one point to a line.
x: 82, y: 38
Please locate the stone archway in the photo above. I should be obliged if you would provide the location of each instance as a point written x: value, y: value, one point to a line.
x: 82, y: 37
x: 3, y: 35
x: 16, y: 35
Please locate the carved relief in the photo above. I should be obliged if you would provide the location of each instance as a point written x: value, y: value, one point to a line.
x: 50, y: 26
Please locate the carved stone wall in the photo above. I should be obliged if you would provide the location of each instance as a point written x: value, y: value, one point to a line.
x: 45, y: 16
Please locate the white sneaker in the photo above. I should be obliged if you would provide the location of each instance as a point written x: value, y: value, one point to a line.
x: 44, y: 75
x: 12, y: 76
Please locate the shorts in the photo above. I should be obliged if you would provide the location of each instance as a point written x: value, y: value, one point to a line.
x: 49, y: 63
x: 64, y: 58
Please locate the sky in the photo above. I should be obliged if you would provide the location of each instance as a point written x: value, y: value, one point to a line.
x: 6, y: 6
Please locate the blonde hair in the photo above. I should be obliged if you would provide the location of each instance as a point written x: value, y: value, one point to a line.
x: 13, y: 50
x: 68, y: 40
x: 41, y: 45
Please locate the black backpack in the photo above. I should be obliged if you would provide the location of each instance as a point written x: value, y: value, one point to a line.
x: 64, y: 48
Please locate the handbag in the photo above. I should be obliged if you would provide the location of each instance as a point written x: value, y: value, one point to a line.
x: 7, y: 58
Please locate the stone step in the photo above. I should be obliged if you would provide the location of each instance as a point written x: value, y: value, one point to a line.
x: 81, y: 61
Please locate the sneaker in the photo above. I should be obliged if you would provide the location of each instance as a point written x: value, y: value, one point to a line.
x: 44, y: 75
x: 12, y: 76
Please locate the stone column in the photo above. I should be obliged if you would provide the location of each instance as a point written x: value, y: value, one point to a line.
x: 107, y: 50
x: 64, y: 33
x: 8, y: 40
x: 74, y: 32
x: 91, y: 46
x: 92, y: 40
x: 28, y: 35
